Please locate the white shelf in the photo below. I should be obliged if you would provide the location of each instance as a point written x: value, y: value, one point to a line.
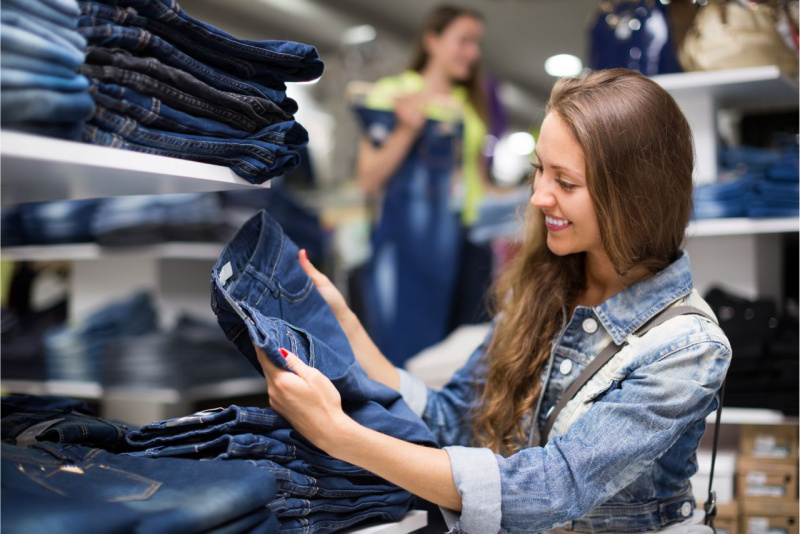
x: 36, y: 168
x: 413, y: 520
x: 93, y: 251
x: 82, y: 390
x: 737, y: 88
x: 751, y: 416
x: 93, y: 390
x: 742, y: 226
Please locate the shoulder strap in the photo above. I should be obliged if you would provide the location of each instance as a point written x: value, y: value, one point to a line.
x: 606, y: 354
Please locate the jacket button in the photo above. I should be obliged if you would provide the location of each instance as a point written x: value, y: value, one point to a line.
x: 686, y: 509
x: 589, y: 326
x: 565, y: 367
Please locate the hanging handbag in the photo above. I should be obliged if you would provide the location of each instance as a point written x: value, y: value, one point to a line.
x: 732, y: 34
x: 605, y: 356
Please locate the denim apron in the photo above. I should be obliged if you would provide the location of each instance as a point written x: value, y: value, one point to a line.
x: 408, y: 283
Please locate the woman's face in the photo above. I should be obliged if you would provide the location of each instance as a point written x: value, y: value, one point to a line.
x: 458, y: 48
x: 559, y: 190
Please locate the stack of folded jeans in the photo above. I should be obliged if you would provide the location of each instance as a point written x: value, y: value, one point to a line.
x: 60, y: 473
x: 315, y: 491
x: 261, y: 295
x: 40, y: 89
x: 166, y: 83
x: 754, y: 182
x: 193, y: 353
x: 76, y: 352
x: 62, y: 221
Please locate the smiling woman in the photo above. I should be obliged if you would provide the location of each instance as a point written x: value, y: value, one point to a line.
x: 601, y: 262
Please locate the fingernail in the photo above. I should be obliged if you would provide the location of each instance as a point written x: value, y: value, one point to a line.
x: 284, y: 352
x: 304, y: 253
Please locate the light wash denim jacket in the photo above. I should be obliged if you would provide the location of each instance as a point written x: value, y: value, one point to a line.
x: 621, y: 453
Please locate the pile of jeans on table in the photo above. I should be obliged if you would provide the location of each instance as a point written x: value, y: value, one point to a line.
x: 166, y: 83
x: 65, y: 470
x: 40, y: 88
x: 755, y: 182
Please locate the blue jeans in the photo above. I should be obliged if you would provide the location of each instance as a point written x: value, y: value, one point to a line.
x: 45, y: 106
x: 69, y: 39
x: 76, y: 352
x: 153, y: 113
x: 61, y: 12
x: 66, y: 488
x: 21, y: 79
x: 26, y: 425
x: 290, y: 506
x: 408, y: 285
x: 17, y: 61
x: 141, y: 42
x: 271, y: 62
x: 260, y: 294
x: 34, y: 45
x: 64, y: 221
x: 332, y: 522
x: 255, y: 161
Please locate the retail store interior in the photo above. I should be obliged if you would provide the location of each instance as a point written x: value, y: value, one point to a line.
x: 188, y: 187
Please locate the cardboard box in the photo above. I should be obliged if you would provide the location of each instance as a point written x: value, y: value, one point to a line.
x: 726, y: 525
x: 760, y: 480
x: 769, y: 517
x: 769, y: 442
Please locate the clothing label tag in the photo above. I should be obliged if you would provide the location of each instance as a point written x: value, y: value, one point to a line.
x: 225, y: 273
x: 28, y: 438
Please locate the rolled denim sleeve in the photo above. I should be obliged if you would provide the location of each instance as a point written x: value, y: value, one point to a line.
x: 614, y: 442
x: 413, y: 391
x: 476, y: 475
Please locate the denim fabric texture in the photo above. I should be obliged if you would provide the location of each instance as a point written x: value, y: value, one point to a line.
x: 409, y: 282
x: 254, y: 160
x: 620, y: 459
x: 75, y: 352
x: 64, y: 221
x: 260, y: 294
x: 244, y: 112
x: 265, y: 61
x: 40, y: 90
x: 67, y: 488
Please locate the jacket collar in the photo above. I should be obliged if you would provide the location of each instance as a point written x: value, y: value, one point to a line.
x: 629, y: 309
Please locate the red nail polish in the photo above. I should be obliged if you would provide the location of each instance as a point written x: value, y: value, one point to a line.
x: 305, y: 254
x: 284, y: 352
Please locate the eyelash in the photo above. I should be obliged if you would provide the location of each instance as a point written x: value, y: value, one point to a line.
x: 566, y: 186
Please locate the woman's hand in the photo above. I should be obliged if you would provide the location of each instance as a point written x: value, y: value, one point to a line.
x: 410, y: 111
x: 305, y: 397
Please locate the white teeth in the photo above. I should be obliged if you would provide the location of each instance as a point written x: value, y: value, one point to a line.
x: 556, y: 222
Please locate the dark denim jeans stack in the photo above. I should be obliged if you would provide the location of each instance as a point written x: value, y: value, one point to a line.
x: 755, y: 182
x: 316, y: 493
x: 62, y: 472
x: 40, y: 88
x: 166, y: 83
x: 76, y: 352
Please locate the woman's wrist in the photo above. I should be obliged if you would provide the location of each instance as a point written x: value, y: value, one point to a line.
x: 341, y: 430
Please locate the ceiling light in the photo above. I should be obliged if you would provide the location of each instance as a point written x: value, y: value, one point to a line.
x: 359, y: 35
x: 521, y: 143
x: 563, y: 65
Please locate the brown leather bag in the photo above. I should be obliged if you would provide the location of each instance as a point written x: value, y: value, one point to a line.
x: 731, y: 34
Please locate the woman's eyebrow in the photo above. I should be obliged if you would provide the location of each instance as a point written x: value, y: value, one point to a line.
x: 567, y: 170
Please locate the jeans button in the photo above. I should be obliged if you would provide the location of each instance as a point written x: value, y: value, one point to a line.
x: 589, y: 326
x: 565, y: 367
x: 686, y: 509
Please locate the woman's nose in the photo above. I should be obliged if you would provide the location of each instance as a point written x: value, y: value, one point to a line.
x: 542, y: 196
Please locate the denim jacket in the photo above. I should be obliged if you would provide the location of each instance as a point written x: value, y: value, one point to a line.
x: 621, y: 453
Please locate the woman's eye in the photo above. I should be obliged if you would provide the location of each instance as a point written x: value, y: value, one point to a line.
x: 566, y: 186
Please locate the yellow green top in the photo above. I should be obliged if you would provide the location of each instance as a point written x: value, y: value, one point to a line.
x: 382, y: 97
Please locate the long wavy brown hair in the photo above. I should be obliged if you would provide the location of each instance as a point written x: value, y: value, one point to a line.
x: 639, y: 158
x: 437, y: 22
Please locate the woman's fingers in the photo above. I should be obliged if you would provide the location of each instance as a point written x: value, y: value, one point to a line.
x: 297, y: 365
x: 317, y: 277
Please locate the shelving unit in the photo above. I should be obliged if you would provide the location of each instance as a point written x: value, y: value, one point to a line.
x: 741, y: 226
x: 92, y: 251
x: 701, y: 94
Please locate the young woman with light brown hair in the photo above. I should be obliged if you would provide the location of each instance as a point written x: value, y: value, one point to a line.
x: 601, y: 260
